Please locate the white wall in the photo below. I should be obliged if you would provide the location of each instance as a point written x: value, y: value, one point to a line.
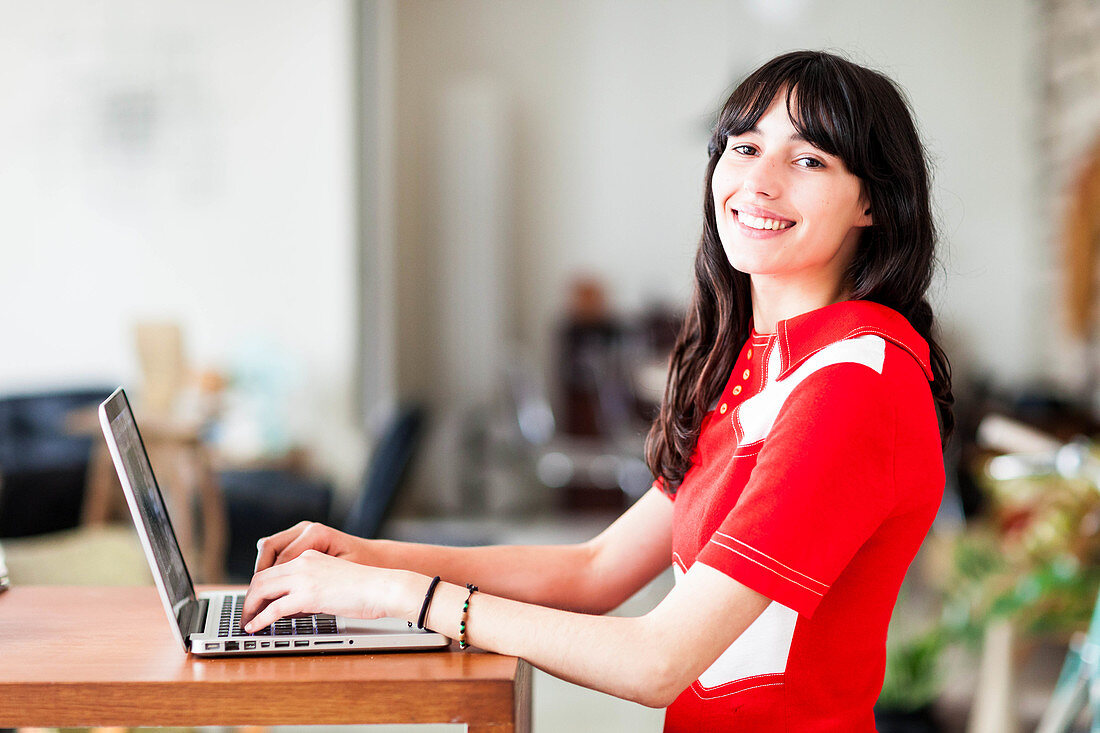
x: 183, y: 160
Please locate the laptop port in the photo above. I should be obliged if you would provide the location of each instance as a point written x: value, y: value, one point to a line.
x: 265, y: 644
x: 212, y: 645
x: 231, y: 646
x: 301, y: 643
x: 250, y: 645
x: 280, y: 644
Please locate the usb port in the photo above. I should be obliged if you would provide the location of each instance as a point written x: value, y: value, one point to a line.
x: 231, y: 646
x: 280, y: 644
x: 250, y: 645
x: 212, y: 645
x: 265, y: 644
x: 301, y: 643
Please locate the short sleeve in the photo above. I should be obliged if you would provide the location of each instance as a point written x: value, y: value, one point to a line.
x: 822, y: 484
x: 659, y: 484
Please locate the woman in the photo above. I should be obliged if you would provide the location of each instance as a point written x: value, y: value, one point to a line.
x: 797, y: 451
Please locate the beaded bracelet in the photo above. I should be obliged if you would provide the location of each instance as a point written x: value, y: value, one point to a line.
x: 465, y: 612
x: 427, y: 602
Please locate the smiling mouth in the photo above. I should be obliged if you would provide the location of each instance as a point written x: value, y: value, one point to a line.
x: 761, y: 223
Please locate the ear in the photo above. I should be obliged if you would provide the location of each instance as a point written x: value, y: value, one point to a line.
x: 865, y: 219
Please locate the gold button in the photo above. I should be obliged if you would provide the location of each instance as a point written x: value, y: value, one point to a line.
x: 749, y: 355
x: 745, y: 374
x: 736, y: 391
x: 723, y: 408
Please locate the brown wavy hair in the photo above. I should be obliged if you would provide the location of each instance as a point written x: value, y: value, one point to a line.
x: 862, y: 117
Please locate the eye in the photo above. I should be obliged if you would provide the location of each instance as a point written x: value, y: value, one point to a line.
x: 743, y: 148
x: 808, y: 161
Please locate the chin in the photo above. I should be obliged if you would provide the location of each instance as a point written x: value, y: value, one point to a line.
x: 750, y: 265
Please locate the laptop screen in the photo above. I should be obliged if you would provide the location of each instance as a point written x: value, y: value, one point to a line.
x: 150, y: 503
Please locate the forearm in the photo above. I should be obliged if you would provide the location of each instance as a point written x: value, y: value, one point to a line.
x: 592, y: 577
x: 558, y: 576
x: 648, y: 659
x: 615, y: 655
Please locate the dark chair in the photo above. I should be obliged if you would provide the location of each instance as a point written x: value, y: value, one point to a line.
x: 262, y: 502
x: 386, y: 472
x: 43, y: 464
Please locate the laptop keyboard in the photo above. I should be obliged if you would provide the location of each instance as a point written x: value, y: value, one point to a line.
x: 230, y: 622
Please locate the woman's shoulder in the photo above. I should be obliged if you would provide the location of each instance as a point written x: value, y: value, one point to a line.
x: 857, y: 331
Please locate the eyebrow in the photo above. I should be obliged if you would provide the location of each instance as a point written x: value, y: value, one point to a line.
x: 796, y: 136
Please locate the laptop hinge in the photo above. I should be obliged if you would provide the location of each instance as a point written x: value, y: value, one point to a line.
x: 192, y: 617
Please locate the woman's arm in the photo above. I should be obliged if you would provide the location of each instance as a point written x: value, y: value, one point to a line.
x: 591, y: 577
x: 648, y: 659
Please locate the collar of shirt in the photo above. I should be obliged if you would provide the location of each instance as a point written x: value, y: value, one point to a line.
x: 803, y: 335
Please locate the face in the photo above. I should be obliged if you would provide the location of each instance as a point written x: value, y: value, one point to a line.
x: 786, y: 211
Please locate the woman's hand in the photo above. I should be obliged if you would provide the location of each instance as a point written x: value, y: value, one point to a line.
x: 284, y: 546
x: 314, y: 582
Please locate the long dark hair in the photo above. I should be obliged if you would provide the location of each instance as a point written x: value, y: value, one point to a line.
x: 862, y: 117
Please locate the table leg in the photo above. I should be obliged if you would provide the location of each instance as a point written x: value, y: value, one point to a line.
x: 521, y: 707
x: 522, y: 704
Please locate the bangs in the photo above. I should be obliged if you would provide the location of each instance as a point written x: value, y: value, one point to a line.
x: 821, y: 103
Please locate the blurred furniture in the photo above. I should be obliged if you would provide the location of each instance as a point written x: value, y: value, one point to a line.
x: 1078, y: 684
x: 184, y: 470
x: 1081, y: 246
x: 163, y: 362
x: 611, y: 373
x: 386, y: 471
x: 602, y: 471
x: 131, y: 672
x: 263, y: 501
x: 994, y: 709
x: 106, y: 555
x: 43, y: 465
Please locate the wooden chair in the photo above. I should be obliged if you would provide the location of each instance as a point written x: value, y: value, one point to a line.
x: 185, y: 474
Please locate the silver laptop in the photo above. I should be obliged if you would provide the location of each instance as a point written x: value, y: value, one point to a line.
x: 209, y: 623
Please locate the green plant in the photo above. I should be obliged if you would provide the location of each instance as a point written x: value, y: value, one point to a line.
x: 913, y: 672
x: 1035, y: 562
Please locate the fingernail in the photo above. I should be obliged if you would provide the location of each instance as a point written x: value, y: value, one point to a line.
x: 248, y: 628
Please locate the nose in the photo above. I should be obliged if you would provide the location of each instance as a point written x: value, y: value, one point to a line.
x: 763, y: 177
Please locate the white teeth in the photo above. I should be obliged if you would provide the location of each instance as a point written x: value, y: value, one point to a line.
x: 757, y: 222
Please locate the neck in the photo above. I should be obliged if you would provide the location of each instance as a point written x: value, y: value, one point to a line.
x: 776, y: 299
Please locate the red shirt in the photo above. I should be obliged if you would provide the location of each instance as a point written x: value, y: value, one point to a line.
x: 814, y: 481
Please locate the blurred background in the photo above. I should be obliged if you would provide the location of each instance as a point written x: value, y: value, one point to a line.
x: 413, y: 268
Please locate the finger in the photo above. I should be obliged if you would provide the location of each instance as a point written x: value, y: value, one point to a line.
x: 284, y: 606
x: 266, y: 586
x: 311, y: 538
x: 268, y: 548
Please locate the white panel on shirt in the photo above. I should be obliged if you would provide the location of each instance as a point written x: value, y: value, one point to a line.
x: 761, y: 649
x: 757, y: 414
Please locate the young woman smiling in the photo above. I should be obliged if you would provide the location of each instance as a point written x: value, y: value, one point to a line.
x: 797, y: 453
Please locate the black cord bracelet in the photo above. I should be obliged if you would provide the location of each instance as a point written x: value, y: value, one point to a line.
x: 427, y: 602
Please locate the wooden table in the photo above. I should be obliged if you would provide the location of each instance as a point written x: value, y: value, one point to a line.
x: 74, y: 656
